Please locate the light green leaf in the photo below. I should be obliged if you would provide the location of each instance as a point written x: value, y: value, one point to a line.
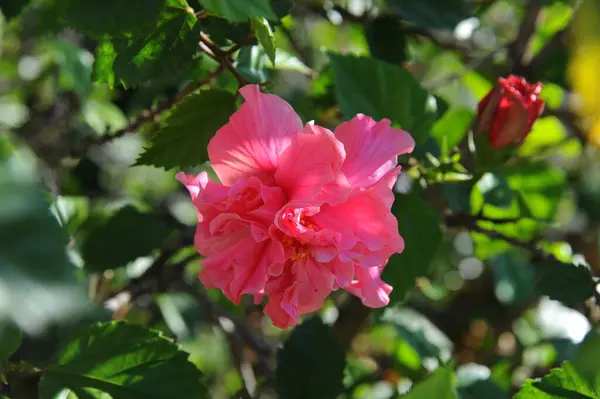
x: 236, y: 10
x: 382, y: 90
x: 128, y: 233
x: 452, y: 127
x: 564, y: 382
x: 75, y: 67
x: 431, y: 14
x: 420, y: 227
x: 439, y: 385
x: 34, y: 269
x: 110, y: 17
x: 310, y: 364
x: 103, y: 116
x: 117, y: 360
x: 164, y: 51
x: 265, y: 37
x: 182, y: 141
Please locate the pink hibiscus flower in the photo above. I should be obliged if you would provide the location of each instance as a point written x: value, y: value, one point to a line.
x: 300, y: 211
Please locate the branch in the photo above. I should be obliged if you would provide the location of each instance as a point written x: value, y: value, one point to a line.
x: 221, y: 56
x: 150, y: 114
x: 526, y: 30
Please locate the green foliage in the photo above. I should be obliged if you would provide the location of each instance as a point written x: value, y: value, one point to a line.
x: 183, y: 139
x: 118, y: 241
x: 125, y: 361
x: 362, y: 85
x: 265, y: 37
x: 564, y: 282
x: 310, y: 364
x: 386, y: 39
x: 439, y: 385
x: 167, y: 49
x: 111, y: 17
x: 11, y: 338
x: 564, y: 382
x: 419, y: 225
x: 432, y: 14
x: 235, y: 10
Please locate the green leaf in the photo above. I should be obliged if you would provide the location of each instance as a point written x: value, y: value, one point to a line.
x: 182, y: 141
x: 567, y: 283
x: 513, y: 280
x: 110, y: 17
x: 563, y: 382
x: 386, y: 39
x: 75, y: 74
x: 586, y: 360
x: 265, y: 37
x: 452, y: 127
x: 11, y: 337
x: 431, y: 14
x: 254, y: 64
x: 382, y: 90
x: 132, y: 62
x: 419, y: 225
x: 310, y: 364
x: 123, y: 361
x: 103, y: 116
x: 34, y: 269
x: 126, y: 236
x: 235, y: 10
x: 439, y: 385
x: 495, y: 190
x: 12, y: 8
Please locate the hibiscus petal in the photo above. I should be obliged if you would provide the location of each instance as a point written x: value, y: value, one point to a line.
x: 194, y: 184
x: 256, y: 134
x: 365, y: 218
x: 372, y: 149
x: 369, y: 287
x: 310, y: 168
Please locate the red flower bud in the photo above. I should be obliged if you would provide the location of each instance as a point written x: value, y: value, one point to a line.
x: 509, y: 110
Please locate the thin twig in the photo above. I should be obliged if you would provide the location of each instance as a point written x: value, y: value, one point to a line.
x: 526, y: 30
x: 150, y: 114
x: 221, y: 57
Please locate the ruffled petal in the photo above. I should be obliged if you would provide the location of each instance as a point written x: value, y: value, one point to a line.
x: 372, y: 149
x: 310, y: 168
x: 369, y: 287
x: 250, y: 144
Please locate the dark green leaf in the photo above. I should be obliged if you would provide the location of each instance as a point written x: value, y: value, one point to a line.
x: 265, y: 37
x: 281, y: 7
x: 126, y: 236
x: 10, y: 338
x: 167, y: 49
x: 386, y: 39
x: 564, y: 282
x: 38, y: 283
x: 431, y: 14
x: 183, y: 140
x: 513, y: 280
x: 224, y: 32
x: 564, y: 382
x: 382, y: 90
x: 110, y: 17
x: 419, y: 225
x: 495, y: 190
x: 12, y: 8
x: 310, y: 364
x: 123, y: 361
x: 586, y: 360
x: 235, y: 10
x: 439, y: 385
